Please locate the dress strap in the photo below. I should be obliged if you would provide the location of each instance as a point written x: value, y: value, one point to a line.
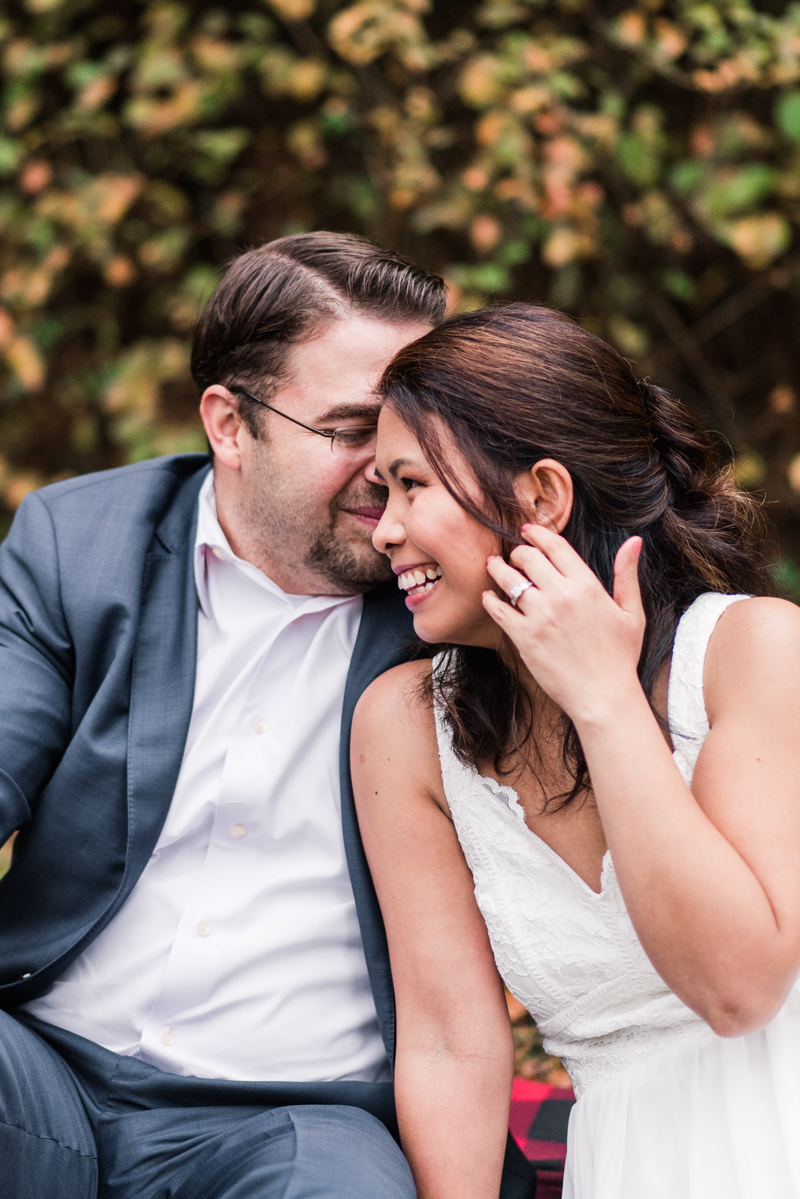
x: 686, y: 708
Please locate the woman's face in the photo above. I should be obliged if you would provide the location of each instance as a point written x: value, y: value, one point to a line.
x: 437, y: 550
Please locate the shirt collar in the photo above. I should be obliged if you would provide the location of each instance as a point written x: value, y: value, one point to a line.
x: 211, y: 539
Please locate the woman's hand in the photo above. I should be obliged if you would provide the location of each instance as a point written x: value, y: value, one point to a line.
x: 581, y: 645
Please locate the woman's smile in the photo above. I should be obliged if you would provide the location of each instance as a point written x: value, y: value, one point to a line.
x: 417, y: 581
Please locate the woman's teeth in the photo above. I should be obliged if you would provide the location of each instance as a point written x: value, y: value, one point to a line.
x: 419, y: 580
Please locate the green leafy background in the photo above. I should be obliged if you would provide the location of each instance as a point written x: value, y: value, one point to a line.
x: 638, y: 166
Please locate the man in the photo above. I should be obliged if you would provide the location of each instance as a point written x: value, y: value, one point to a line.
x: 191, y: 955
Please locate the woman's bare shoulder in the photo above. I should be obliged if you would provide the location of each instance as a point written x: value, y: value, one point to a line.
x: 754, y: 652
x: 401, y: 694
x: 394, y: 733
x: 762, y: 623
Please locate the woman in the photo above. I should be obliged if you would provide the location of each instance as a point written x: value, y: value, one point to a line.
x: 601, y: 768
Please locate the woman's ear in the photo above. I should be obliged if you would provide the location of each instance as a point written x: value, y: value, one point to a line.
x: 546, y: 494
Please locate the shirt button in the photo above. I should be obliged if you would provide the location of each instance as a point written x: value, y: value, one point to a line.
x: 203, y: 928
x: 168, y: 1037
x: 218, y: 554
x: 259, y: 725
x: 238, y: 831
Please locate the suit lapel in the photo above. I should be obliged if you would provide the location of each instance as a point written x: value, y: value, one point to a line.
x: 163, y: 677
x: 383, y: 640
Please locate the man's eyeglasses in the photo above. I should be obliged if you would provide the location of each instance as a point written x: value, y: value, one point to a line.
x: 349, y: 440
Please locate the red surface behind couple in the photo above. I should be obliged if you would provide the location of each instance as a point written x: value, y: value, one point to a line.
x: 538, y: 1123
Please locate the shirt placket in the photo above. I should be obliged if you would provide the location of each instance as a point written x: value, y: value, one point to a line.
x: 253, y: 759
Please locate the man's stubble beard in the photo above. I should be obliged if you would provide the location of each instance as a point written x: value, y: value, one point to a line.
x: 348, y: 566
x: 345, y: 564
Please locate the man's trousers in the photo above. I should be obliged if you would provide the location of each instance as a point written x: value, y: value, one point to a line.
x: 79, y: 1122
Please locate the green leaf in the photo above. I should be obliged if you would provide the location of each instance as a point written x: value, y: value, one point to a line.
x: 198, y: 284
x: 738, y: 190
x: 787, y: 115
x: 639, y: 159
x: 514, y: 253
x: 686, y: 177
x: 10, y: 154
x: 487, y: 277
x: 786, y: 573
x: 679, y: 284
x: 81, y: 73
x: 221, y: 145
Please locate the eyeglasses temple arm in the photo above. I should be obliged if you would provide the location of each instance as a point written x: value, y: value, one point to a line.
x: 264, y: 404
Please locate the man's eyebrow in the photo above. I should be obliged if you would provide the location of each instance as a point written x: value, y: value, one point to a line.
x: 351, y: 413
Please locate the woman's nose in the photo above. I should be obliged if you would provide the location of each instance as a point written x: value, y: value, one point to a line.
x: 389, y: 532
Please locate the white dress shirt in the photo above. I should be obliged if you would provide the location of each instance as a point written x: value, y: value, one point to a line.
x: 238, y: 953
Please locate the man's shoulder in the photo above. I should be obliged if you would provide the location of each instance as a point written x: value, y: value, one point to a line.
x: 130, y: 501
x: 137, y: 480
x: 112, y: 516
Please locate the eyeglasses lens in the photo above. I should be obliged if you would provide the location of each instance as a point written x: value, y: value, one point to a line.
x: 355, y: 441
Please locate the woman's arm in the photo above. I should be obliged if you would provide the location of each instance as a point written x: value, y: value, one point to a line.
x: 711, y: 875
x: 454, y: 1045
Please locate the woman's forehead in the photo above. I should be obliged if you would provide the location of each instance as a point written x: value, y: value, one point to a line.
x: 391, y: 429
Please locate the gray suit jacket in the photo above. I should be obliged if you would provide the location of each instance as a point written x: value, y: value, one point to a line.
x: 98, y: 628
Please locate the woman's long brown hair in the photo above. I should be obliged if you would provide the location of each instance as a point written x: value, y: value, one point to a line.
x: 516, y: 384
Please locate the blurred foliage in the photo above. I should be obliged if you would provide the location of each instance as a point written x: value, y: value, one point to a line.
x: 530, y: 1058
x: 636, y: 164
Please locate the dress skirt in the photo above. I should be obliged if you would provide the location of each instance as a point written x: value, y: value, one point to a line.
x: 717, y: 1118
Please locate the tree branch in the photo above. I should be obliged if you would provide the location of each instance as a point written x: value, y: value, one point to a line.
x: 687, y: 345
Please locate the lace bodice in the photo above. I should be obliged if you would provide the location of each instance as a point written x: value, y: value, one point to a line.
x: 566, y: 952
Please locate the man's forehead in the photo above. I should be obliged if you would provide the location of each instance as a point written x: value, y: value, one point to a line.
x: 336, y: 370
x: 358, y: 350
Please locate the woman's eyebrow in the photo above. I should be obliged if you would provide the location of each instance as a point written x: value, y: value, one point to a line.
x: 397, y: 464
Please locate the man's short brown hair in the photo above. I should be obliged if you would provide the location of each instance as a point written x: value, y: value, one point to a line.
x: 276, y: 295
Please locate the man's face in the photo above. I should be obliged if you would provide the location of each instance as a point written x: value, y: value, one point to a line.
x: 306, y: 512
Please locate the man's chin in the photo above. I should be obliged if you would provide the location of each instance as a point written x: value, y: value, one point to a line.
x: 349, y: 563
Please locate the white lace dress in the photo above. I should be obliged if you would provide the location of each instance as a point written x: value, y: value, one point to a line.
x: 666, y: 1109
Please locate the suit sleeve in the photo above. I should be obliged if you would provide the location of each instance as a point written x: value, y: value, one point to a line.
x: 36, y: 663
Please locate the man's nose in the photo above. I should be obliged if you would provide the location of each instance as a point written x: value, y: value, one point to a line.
x: 371, y: 475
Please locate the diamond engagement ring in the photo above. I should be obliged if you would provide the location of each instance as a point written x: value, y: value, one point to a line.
x: 514, y: 595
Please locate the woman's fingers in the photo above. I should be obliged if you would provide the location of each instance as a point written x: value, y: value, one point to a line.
x: 506, y: 576
x: 535, y: 564
x: 627, y: 593
x: 556, y: 548
x: 501, y: 613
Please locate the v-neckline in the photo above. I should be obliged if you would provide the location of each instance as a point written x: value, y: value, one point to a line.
x: 518, y: 812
